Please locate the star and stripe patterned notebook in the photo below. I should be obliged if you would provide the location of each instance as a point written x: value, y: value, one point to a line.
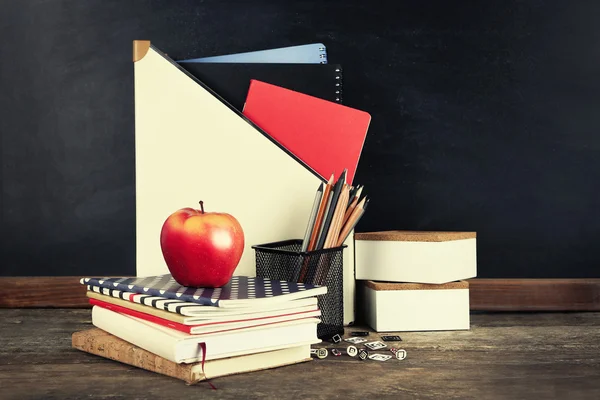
x: 188, y: 309
x: 241, y: 291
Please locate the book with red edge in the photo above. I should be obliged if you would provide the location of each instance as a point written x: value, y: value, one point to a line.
x: 181, y: 347
x: 206, y: 327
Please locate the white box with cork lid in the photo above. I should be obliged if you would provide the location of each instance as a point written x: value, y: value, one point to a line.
x: 415, y: 256
x: 404, y: 307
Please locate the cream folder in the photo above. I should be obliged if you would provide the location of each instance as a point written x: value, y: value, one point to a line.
x: 190, y: 145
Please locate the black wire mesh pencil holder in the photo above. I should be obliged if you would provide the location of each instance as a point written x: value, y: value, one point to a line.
x: 285, y: 262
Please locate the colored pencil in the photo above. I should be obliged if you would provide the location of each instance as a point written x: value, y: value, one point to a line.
x: 352, y: 221
x: 313, y: 216
x: 354, y: 192
x: 352, y: 205
x: 320, y: 214
x: 335, y: 195
x: 338, y: 215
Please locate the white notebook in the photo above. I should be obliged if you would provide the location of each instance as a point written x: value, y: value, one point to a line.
x: 180, y: 347
x: 314, y: 53
x: 253, y: 362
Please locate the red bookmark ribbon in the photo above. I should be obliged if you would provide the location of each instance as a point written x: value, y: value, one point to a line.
x: 203, y: 348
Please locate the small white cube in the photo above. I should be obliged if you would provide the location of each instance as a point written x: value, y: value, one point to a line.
x: 417, y: 257
x: 404, y: 307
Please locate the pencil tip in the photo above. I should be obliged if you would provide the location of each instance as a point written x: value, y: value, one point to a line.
x: 366, y: 204
x: 358, y: 192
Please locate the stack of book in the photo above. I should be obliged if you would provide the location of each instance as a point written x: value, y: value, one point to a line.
x: 196, y: 334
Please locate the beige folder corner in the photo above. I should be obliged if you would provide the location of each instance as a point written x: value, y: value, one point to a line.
x: 190, y: 146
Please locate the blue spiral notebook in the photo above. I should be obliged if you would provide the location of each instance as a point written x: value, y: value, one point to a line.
x: 241, y: 291
x: 314, y: 53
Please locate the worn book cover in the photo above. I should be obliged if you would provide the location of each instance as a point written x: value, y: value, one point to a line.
x: 98, y: 342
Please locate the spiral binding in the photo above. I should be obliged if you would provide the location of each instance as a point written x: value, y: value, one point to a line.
x: 323, y: 55
x: 338, y: 85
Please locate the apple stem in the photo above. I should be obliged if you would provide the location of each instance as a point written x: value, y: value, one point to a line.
x: 202, y: 206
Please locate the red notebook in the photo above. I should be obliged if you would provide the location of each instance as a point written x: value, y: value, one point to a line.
x: 327, y: 136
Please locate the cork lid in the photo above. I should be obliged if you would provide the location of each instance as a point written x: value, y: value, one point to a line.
x: 415, y: 236
x: 375, y: 285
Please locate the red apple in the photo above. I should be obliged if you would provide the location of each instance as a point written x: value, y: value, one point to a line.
x: 201, y: 249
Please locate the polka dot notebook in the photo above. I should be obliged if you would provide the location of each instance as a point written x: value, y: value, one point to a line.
x: 241, y: 291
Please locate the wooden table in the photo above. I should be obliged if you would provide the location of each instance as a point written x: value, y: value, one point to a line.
x: 507, y: 356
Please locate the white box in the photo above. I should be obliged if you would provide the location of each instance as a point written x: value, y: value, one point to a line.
x: 418, y: 257
x: 402, y: 307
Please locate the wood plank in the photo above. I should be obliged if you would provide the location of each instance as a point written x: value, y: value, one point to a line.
x: 486, y: 294
x: 535, y: 294
x: 523, y: 355
x: 42, y: 291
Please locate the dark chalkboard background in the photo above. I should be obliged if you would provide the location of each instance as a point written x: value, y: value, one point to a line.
x: 486, y: 117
